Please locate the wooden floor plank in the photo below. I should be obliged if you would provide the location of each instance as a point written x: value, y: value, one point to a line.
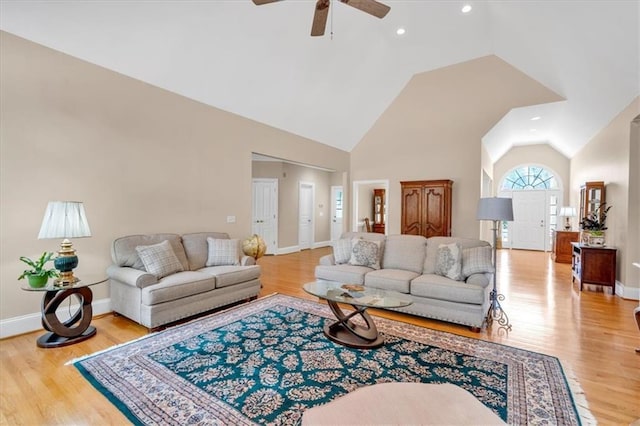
x: 591, y: 332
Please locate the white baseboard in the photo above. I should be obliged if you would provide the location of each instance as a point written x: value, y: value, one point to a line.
x: 322, y: 244
x: 288, y: 250
x: 627, y: 292
x: 295, y: 249
x: 33, y: 322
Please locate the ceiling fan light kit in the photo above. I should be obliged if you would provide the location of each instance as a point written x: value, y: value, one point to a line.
x: 372, y: 7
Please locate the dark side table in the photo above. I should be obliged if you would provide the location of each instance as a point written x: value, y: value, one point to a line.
x: 77, y: 328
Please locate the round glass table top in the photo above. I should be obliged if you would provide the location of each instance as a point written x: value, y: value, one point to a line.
x: 356, y: 294
x: 52, y: 286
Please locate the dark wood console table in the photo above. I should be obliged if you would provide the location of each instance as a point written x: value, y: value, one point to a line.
x: 594, y: 265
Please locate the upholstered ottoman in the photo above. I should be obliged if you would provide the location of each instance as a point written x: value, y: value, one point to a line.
x: 403, y: 404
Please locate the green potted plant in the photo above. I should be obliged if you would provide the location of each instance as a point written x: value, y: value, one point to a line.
x: 38, y: 275
x: 594, y: 224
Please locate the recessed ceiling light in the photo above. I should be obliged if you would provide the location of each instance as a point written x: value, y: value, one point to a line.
x: 401, y: 31
x: 535, y: 118
x: 532, y: 130
x: 466, y: 8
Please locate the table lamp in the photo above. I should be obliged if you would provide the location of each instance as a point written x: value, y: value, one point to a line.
x: 568, y: 213
x: 65, y: 219
x: 496, y: 210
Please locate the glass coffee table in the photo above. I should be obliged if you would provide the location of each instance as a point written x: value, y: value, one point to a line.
x: 77, y: 328
x: 345, y: 331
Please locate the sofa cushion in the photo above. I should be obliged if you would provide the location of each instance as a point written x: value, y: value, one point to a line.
x: 159, y: 259
x: 405, y: 252
x: 342, y: 251
x: 223, y: 252
x: 390, y: 279
x: 434, y: 242
x: 476, y: 260
x: 482, y: 280
x: 342, y: 273
x: 365, y: 253
x: 197, y: 248
x: 177, y: 286
x: 449, y: 263
x: 442, y: 288
x: 123, y: 249
x: 227, y: 275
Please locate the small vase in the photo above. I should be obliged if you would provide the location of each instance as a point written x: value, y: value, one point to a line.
x: 37, y: 281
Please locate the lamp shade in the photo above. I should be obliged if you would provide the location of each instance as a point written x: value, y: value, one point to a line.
x: 495, y: 208
x: 567, y: 211
x: 64, y: 219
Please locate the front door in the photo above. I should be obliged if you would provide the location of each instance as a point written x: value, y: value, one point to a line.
x: 529, y: 225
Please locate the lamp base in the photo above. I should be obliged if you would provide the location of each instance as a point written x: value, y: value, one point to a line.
x: 65, y: 263
x: 497, y: 314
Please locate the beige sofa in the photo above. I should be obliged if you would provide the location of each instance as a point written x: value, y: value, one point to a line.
x: 190, y: 288
x: 409, y: 265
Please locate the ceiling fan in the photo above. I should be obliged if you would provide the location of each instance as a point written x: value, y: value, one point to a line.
x: 372, y: 7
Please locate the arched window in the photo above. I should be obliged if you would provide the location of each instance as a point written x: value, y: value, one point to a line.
x: 529, y: 177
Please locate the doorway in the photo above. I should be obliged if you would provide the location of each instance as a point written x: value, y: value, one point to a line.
x: 264, y: 218
x: 362, y: 200
x: 306, y: 222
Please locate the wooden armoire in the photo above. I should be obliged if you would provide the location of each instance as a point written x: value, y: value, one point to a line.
x: 426, y: 208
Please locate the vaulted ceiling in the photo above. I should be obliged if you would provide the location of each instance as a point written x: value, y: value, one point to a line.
x: 261, y: 63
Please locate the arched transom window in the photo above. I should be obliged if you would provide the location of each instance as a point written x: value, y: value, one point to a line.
x: 529, y: 177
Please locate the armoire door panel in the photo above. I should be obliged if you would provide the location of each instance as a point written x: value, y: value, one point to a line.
x: 434, y: 212
x: 411, y: 211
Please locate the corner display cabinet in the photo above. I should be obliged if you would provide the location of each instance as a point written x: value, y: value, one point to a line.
x: 426, y: 208
x: 378, y: 210
x: 592, y: 196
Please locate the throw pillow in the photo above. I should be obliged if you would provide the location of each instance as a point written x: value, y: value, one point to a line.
x: 449, y: 262
x: 342, y: 251
x: 159, y: 259
x: 365, y: 253
x: 223, y: 252
x: 476, y: 260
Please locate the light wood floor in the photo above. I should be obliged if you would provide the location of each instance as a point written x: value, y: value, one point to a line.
x: 592, y: 333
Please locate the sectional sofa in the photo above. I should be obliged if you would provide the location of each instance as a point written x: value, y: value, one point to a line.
x: 447, y: 278
x: 161, y: 278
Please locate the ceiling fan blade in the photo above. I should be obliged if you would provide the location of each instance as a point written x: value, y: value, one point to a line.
x: 261, y: 2
x: 320, y: 18
x: 372, y: 7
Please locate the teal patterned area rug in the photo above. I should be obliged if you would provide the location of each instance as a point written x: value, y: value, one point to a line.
x: 267, y: 361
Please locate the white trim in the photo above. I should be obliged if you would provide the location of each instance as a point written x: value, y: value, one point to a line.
x: 33, y: 322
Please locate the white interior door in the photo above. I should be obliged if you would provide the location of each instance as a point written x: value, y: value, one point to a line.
x: 265, y: 212
x: 337, y: 211
x: 529, y: 224
x: 305, y: 215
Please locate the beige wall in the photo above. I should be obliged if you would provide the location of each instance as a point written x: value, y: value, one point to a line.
x: 289, y: 176
x: 612, y: 156
x: 142, y: 159
x: 433, y: 130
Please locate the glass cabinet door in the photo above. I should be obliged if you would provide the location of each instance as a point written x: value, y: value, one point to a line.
x: 592, y: 196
